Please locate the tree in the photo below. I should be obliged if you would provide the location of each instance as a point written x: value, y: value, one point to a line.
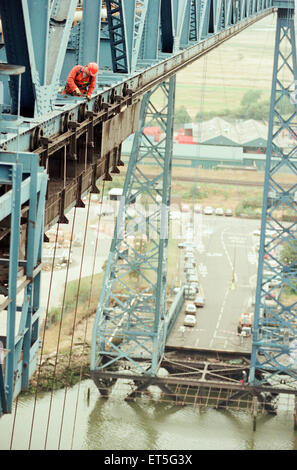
x: 250, y: 97
x: 182, y: 116
x: 289, y: 253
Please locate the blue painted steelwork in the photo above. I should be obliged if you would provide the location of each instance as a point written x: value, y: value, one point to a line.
x: 118, y: 36
x: 36, y: 35
x: 158, y: 25
x: 138, y: 50
x: 274, y: 351
x: 28, y: 184
x: 131, y: 322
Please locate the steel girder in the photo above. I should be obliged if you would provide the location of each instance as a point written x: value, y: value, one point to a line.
x: 36, y: 34
x: 40, y: 35
x: 274, y: 358
x: 149, y: 34
x: 131, y: 320
x: 20, y: 295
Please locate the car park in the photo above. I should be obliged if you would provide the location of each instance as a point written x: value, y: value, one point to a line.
x: 208, y: 210
x: 219, y: 211
x: 189, y: 320
x: 199, y: 301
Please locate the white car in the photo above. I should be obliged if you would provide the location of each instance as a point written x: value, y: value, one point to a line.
x: 190, y: 293
x: 195, y: 285
x: 174, y: 215
x: 219, y: 211
x: 228, y: 213
x: 189, y: 320
x: 208, y: 210
x: 191, y: 260
x: 190, y: 309
x: 197, y: 208
x: 199, y: 301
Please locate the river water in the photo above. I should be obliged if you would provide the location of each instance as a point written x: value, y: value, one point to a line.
x: 100, y: 424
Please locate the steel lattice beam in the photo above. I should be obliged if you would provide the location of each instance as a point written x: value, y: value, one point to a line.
x: 131, y: 316
x: 19, y: 347
x: 118, y: 36
x: 274, y: 358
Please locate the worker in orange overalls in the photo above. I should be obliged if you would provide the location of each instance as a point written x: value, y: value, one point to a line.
x: 81, y: 80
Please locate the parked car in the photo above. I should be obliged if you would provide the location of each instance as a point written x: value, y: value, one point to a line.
x: 197, y: 208
x: 190, y: 245
x: 219, y: 211
x: 189, y: 320
x: 189, y: 256
x: 188, y: 265
x: 195, y: 286
x: 174, y: 215
x: 199, y: 301
x: 193, y: 279
x: 185, y: 208
x: 190, y: 309
x: 191, y: 272
x: 190, y: 292
x: 208, y: 210
x: 228, y: 213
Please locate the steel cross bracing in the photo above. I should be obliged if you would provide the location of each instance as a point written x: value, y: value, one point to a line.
x: 21, y: 265
x: 274, y: 352
x: 131, y: 323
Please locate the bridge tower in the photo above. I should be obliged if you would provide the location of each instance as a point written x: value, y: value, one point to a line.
x: 274, y: 348
x: 131, y: 325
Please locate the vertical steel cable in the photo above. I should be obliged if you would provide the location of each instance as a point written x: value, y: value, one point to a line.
x: 14, y: 420
x: 44, y: 329
x: 88, y: 316
x: 16, y: 402
x: 60, y: 328
x: 74, y: 321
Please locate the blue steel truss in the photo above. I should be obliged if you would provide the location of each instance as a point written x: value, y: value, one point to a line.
x: 131, y: 319
x: 19, y: 346
x: 136, y: 45
x: 274, y: 352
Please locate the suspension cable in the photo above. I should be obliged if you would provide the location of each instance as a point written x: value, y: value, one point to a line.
x: 88, y: 312
x: 44, y: 330
x: 60, y: 329
x: 74, y: 319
